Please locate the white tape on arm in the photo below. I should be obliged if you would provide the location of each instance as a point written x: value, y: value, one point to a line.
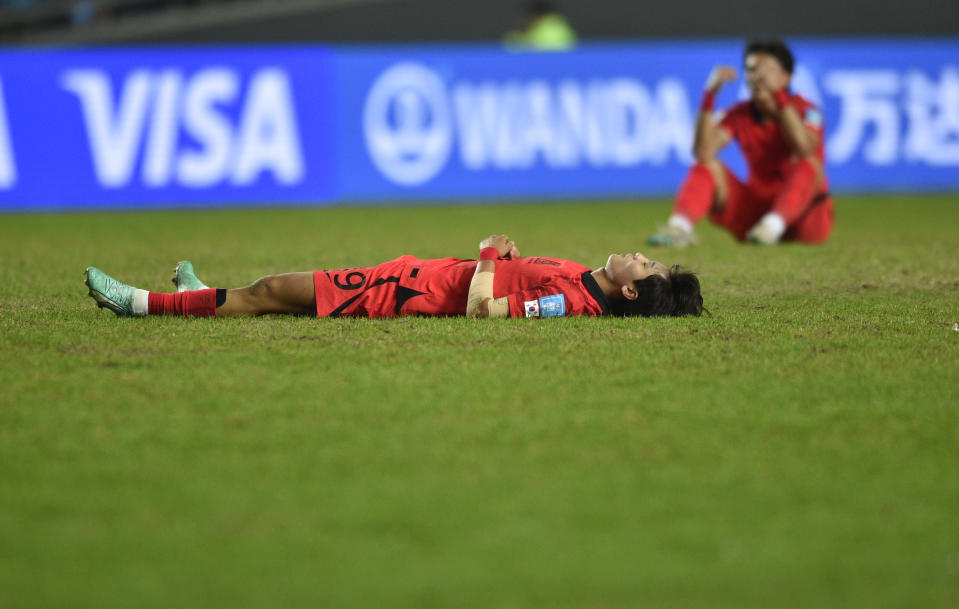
x: 499, y: 307
x: 481, y: 291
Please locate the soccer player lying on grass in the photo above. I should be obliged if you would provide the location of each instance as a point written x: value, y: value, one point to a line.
x: 780, y: 133
x: 501, y: 283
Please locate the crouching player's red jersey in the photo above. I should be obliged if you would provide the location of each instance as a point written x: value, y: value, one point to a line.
x: 761, y: 140
x: 535, y: 287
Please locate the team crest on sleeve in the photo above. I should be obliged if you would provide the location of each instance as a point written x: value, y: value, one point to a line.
x: 814, y: 118
x: 553, y: 305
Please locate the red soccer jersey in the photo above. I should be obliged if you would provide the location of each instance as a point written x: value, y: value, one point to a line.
x: 535, y: 287
x: 762, y: 141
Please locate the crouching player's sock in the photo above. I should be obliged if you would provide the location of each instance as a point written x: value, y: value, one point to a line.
x: 196, y: 303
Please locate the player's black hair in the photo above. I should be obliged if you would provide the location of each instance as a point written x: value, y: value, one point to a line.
x: 677, y: 296
x: 772, y: 46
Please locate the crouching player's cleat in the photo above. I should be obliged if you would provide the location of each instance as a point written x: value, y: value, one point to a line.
x: 761, y: 235
x: 110, y: 293
x: 768, y: 231
x: 672, y: 236
x: 185, y: 279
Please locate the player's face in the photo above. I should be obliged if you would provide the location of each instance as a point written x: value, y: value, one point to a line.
x: 624, y: 269
x: 763, y: 72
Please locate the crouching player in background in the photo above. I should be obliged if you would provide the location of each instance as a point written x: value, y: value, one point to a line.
x: 500, y: 284
x: 780, y: 133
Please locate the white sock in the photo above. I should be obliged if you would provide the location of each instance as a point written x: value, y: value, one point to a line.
x: 774, y: 223
x: 681, y: 222
x: 140, y: 302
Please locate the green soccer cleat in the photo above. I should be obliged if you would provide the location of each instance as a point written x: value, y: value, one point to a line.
x: 672, y: 236
x: 185, y: 279
x: 110, y: 293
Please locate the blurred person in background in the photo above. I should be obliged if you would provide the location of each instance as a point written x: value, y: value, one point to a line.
x: 544, y: 29
x: 785, y: 196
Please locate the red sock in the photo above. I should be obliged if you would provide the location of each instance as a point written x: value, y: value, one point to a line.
x: 797, y: 193
x: 695, y: 196
x: 198, y: 303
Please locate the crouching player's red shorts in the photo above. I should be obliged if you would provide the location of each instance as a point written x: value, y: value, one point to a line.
x: 747, y: 203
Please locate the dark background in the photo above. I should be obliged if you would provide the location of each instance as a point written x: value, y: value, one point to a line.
x: 238, y: 21
x: 440, y: 20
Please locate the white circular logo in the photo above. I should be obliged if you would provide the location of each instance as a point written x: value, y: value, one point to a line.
x: 407, y: 124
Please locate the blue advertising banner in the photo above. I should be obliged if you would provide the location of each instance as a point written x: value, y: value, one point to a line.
x: 619, y: 119
x: 321, y: 125
x: 162, y: 127
x: 475, y: 123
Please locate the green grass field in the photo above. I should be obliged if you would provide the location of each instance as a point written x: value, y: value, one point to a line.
x: 797, y: 448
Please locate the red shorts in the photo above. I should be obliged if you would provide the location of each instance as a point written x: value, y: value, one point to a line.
x: 404, y: 286
x: 746, y: 204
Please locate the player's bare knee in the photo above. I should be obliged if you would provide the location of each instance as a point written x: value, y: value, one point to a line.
x: 265, y: 288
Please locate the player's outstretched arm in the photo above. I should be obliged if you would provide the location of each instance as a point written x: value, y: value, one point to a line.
x: 710, y: 138
x: 480, y: 301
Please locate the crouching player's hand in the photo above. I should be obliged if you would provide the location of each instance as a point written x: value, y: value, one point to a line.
x: 505, y: 246
x: 720, y: 76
